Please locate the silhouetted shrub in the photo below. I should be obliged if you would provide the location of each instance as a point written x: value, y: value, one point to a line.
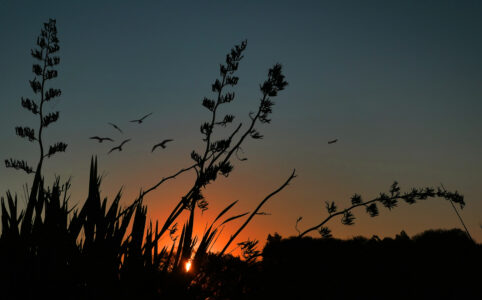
x: 437, y: 264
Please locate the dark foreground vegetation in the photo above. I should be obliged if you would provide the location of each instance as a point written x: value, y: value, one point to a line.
x: 95, y: 249
x: 89, y: 253
x: 436, y: 264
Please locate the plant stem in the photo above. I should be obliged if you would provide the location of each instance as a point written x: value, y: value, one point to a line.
x: 256, y: 211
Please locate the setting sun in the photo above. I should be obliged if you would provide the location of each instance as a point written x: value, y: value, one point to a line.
x: 188, y: 265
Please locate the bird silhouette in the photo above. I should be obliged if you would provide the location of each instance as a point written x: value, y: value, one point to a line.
x: 115, y: 126
x: 141, y: 119
x: 161, y: 144
x: 101, y: 139
x: 333, y: 141
x: 119, y: 147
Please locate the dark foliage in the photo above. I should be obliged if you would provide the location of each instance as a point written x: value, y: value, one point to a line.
x: 436, y: 264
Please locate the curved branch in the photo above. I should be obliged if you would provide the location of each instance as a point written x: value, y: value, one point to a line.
x: 167, y: 178
x: 391, y: 201
x: 293, y: 175
x: 337, y: 214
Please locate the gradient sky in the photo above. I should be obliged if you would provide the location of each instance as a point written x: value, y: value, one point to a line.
x: 399, y: 83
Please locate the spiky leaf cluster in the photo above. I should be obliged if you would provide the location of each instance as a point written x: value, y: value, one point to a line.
x: 232, y: 60
x: 220, y: 145
x: 206, y: 130
x: 394, y: 189
x: 225, y: 168
x: 330, y: 207
x: 388, y: 201
x: 30, y: 105
x: 196, y: 157
x: 372, y: 210
x: 347, y: 218
x: 51, y: 93
x: 57, y: 147
x: 209, y: 104
x: 226, y: 120
x: 270, y: 88
x: 18, y: 165
x: 35, y: 85
x: 25, y: 132
x: 50, y: 118
x: 249, y: 250
x: 356, y: 199
x: 210, y: 174
x: 325, y: 232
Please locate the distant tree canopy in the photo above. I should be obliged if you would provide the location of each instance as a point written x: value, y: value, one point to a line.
x: 435, y: 264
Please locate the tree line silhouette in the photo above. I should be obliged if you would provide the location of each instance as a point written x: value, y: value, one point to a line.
x: 97, y: 249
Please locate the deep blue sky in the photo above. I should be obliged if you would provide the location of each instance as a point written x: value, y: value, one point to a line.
x: 399, y: 83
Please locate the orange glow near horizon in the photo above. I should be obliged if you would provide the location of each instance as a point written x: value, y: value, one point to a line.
x: 284, y: 208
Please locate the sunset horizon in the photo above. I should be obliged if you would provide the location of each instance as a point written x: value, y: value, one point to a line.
x: 223, y: 124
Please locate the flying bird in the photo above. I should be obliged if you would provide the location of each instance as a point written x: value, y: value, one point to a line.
x: 115, y: 126
x: 141, y: 119
x: 119, y: 147
x: 161, y: 144
x: 333, y: 141
x: 101, y: 139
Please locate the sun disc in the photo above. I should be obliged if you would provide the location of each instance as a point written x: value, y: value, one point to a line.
x: 188, y: 265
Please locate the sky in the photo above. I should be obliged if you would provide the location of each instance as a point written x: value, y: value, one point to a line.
x: 398, y: 83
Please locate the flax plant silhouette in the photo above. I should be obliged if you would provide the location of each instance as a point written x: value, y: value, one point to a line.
x: 388, y: 200
x: 216, y: 158
x: 47, y: 46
